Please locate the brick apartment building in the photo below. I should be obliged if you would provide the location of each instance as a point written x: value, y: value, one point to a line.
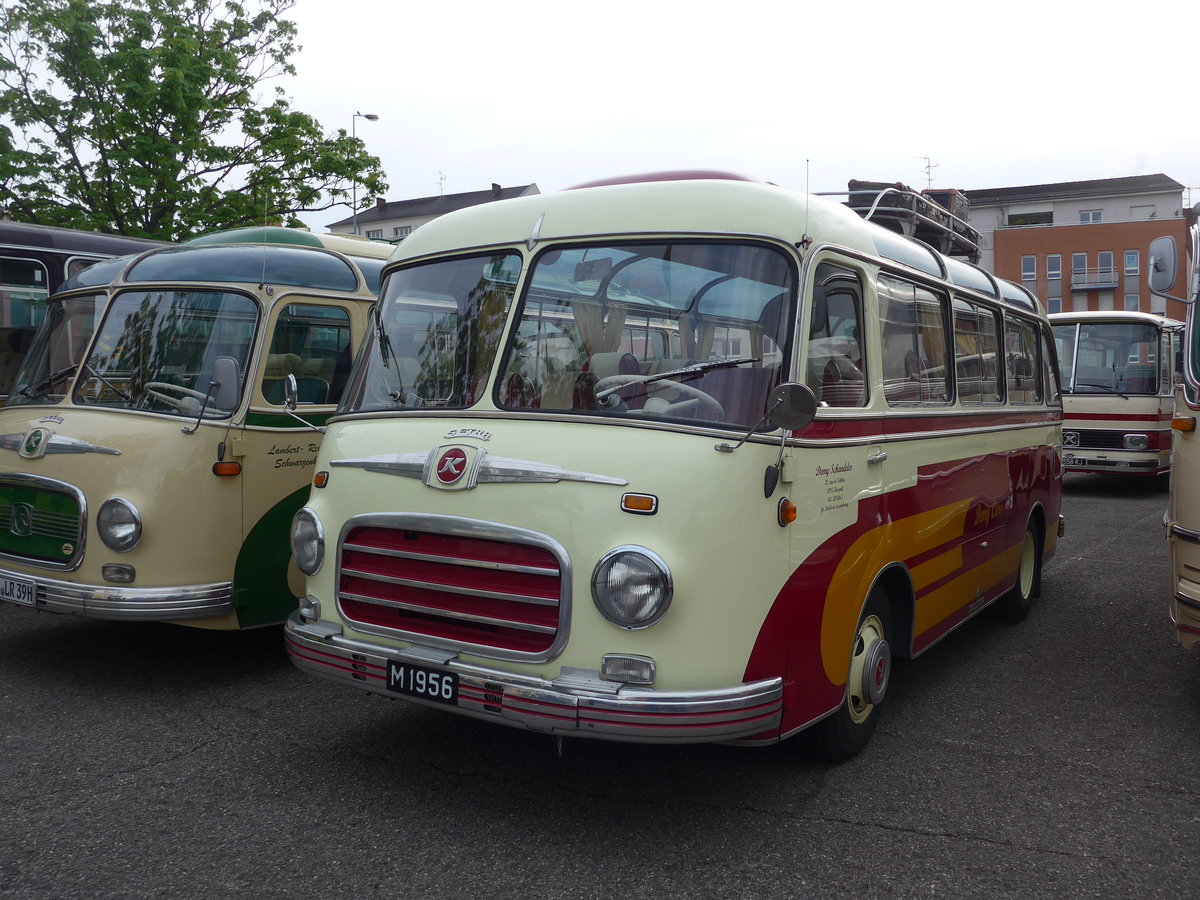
x: 1082, y: 245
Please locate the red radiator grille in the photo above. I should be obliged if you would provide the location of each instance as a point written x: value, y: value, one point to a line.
x: 468, y: 590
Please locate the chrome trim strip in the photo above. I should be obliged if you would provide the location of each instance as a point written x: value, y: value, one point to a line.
x: 1188, y: 602
x: 443, y: 588
x: 1187, y: 534
x: 450, y: 614
x: 470, y: 528
x: 455, y: 560
x: 489, y: 470
x: 576, y: 703
x: 58, y: 443
x: 165, y: 604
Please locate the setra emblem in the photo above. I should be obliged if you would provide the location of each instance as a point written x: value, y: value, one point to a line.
x: 35, y: 442
x: 451, y: 465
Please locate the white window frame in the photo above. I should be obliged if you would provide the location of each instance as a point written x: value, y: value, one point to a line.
x: 1135, y: 267
x: 1054, y: 267
x: 1029, y: 268
x: 1091, y: 216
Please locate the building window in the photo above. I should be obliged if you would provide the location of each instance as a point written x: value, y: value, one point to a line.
x: 1078, y: 263
x: 1029, y: 268
x: 1133, y: 262
x: 1104, y: 262
x: 1090, y: 216
x: 1054, y: 267
x: 376, y: 235
x: 1054, y: 305
x: 1133, y: 302
x: 401, y: 231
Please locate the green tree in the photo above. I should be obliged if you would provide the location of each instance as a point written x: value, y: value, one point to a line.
x: 145, y: 117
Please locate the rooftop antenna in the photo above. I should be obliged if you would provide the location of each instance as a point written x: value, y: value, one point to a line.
x: 929, y: 167
x: 441, y: 184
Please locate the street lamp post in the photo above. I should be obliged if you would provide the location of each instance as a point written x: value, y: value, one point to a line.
x: 370, y: 117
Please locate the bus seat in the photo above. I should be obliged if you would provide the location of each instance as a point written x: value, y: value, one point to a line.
x: 317, y: 367
x: 602, y: 365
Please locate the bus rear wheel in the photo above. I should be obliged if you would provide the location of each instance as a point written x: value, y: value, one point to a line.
x: 842, y: 735
x: 1015, y: 605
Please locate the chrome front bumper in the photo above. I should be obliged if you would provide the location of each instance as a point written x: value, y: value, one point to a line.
x: 162, y: 604
x: 576, y: 703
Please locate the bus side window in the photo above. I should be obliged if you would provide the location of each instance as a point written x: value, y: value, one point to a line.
x: 912, y: 321
x: 1021, y: 361
x: 976, y: 353
x: 835, y: 354
x: 313, y: 344
x: 1050, y: 372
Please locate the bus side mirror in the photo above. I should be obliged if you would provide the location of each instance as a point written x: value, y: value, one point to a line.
x: 792, y: 406
x: 227, y: 378
x: 1160, y: 272
x: 291, y: 392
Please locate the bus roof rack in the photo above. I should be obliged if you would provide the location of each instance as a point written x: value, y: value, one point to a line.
x: 932, y: 216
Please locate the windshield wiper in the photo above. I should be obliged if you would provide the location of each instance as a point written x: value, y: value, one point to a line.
x: 679, y: 374
x: 1103, y: 387
x: 30, y: 389
x: 128, y: 398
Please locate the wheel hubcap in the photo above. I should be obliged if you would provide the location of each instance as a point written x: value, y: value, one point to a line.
x: 870, y: 669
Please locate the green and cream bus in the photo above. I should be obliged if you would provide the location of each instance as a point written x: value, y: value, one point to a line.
x: 150, y: 459
x: 680, y: 459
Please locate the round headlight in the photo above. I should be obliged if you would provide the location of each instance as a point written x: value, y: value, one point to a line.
x: 119, y: 524
x: 308, y: 541
x: 632, y: 587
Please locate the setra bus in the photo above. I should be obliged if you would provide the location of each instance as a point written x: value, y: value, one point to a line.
x: 35, y: 260
x: 1182, y: 519
x: 1118, y: 372
x: 675, y: 460
x: 148, y: 464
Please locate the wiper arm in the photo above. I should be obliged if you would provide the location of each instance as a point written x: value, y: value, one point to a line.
x: 30, y: 389
x: 128, y: 398
x: 679, y: 374
x: 1103, y: 387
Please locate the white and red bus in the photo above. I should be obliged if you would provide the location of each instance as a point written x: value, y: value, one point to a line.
x: 1118, y: 372
x: 676, y: 460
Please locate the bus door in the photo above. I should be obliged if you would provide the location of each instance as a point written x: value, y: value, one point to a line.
x: 312, y: 340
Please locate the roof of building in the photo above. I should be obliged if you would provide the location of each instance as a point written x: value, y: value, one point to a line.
x: 422, y: 207
x: 1066, y: 190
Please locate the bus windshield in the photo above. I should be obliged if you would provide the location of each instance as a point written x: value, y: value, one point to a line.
x: 1108, y: 357
x: 56, y: 349
x: 156, y: 350
x: 683, y: 330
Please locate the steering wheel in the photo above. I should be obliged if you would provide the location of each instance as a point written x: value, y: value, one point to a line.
x: 696, y: 397
x: 155, y: 389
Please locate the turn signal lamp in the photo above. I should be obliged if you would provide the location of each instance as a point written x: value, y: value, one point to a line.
x: 321, y: 479
x: 1183, y: 423
x: 642, y: 504
x: 232, y: 467
x: 787, y: 512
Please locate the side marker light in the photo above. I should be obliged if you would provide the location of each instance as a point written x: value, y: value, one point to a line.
x: 787, y: 512
x: 227, y: 468
x: 642, y: 504
x: 321, y: 479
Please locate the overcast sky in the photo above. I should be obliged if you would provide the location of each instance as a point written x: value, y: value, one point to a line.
x: 806, y: 93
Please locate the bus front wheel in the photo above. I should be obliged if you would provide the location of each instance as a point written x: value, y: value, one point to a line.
x: 842, y: 735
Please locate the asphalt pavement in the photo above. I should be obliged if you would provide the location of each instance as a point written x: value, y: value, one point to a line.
x: 1047, y: 759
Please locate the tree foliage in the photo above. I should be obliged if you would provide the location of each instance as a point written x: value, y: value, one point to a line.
x: 144, y: 117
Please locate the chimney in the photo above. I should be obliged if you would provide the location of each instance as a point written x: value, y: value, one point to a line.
x: 495, y: 189
x: 379, y: 201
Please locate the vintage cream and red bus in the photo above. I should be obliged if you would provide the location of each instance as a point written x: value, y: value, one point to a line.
x: 675, y: 460
x: 1118, y: 372
x: 1182, y: 519
x: 148, y: 465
